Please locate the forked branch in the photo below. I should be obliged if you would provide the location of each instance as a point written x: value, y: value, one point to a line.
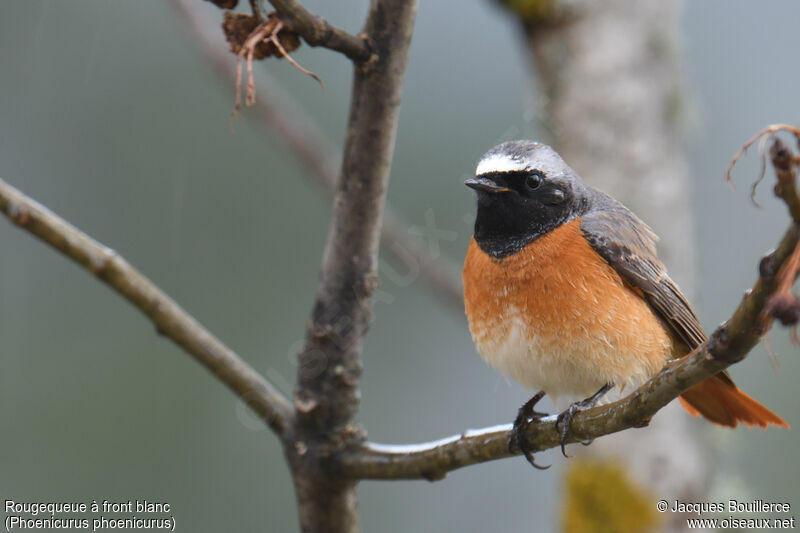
x: 302, y: 137
x: 318, y: 32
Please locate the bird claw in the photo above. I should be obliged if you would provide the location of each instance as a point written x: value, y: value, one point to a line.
x: 518, y: 441
x: 565, y: 419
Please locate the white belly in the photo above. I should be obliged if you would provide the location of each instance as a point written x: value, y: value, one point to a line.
x: 561, y: 366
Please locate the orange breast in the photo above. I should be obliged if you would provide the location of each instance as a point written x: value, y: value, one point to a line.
x: 557, y: 317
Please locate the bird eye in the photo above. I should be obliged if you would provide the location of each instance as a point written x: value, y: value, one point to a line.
x: 533, y: 180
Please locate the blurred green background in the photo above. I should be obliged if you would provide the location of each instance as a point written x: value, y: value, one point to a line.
x: 109, y: 117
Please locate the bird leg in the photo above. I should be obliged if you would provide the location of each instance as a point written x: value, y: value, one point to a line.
x: 518, y: 439
x: 565, y: 418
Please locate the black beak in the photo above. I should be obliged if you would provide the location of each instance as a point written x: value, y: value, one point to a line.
x: 484, y: 184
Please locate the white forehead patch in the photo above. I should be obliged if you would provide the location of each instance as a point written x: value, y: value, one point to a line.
x: 500, y: 163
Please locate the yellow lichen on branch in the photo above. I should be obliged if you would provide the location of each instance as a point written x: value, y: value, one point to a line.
x: 600, y: 496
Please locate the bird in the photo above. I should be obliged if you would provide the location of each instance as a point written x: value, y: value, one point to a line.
x: 564, y: 293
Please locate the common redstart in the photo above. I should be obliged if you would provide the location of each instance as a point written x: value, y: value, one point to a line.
x: 565, y: 293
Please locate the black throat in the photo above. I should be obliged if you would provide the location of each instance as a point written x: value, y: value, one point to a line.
x: 499, y: 235
x: 503, y: 228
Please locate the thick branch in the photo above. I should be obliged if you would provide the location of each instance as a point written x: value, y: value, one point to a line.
x: 317, y: 32
x: 730, y: 343
x: 302, y: 137
x: 326, y: 398
x: 349, y: 269
x: 168, y: 317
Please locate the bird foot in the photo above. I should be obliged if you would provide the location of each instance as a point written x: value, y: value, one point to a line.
x: 565, y: 419
x: 518, y: 440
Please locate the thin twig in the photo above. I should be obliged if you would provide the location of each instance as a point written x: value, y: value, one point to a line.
x: 169, y: 318
x: 266, y: 31
x: 249, y: 49
x: 277, y: 42
x: 317, y: 32
x: 772, y: 129
x: 772, y: 356
x: 762, y: 171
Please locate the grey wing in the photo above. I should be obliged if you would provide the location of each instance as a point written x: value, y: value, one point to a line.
x: 629, y: 246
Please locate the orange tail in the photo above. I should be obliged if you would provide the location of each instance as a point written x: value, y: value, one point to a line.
x: 720, y: 401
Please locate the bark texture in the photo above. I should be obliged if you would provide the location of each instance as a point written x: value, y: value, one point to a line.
x: 326, y: 398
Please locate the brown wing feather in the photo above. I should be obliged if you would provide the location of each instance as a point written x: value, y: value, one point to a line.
x: 629, y: 246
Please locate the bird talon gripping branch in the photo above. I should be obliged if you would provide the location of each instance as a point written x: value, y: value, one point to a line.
x: 565, y: 419
x: 519, y: 440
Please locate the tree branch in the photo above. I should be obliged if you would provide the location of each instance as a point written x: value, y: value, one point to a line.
x: 168, y: 317
x: 729, y: 343
x: 317, y: 32
x: 327, y: 398
x: 303, y: 137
